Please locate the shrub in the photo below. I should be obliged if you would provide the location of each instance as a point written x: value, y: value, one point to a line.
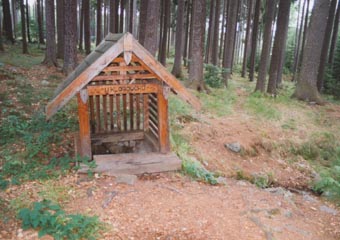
x: 50, y: 219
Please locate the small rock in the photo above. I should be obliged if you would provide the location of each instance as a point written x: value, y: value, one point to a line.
x: 308, y: 198
x: 89, y: 192
x: 221, y: 180
x: 288, y: 213
x: 329, y: 210
x: 242, y: 183
x: 234, y: 147
x: 126, y: 178
x: 44, y: 82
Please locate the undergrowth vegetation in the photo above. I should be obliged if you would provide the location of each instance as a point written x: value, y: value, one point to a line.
x: 322, y: 150
x: 49, y: 218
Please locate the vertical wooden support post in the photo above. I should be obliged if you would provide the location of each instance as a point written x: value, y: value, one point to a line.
x: 163, y: 122
x: 84, y: 124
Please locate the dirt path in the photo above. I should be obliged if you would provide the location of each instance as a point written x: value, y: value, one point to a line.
x: 174, y: 207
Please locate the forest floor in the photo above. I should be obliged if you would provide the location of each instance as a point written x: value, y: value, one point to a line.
x: 266, y: 191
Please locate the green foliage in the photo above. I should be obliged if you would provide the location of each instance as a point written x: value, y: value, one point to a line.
x: 190, y: 166
x: 262, y: 106
x: 194, y: 169
x: 263, y: 180
x: 323, y: 150
x: 220, y: 102
x: 50, y: 219
x: 37, y: 133
x: 213, y: 75
x: 16, y: 170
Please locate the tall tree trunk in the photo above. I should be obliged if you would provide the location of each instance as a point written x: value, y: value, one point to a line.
x: 7, y: 26
x: 2, y: 49
x: 14, y: 17
x: 121, y: 16
x: 166, y: 25
x: 142, y: 20
x: 254, y: 40
x: 247, y: 40
x: 177, y: 68
x: 149, y: 32
x: 50, y: 53
x: 304, y: 34
x: 306, y: 88
x: 211, y: 29
x: 87, y: 27
x: 197, y: 43
x: 224, y: 24
x: 266, y: 46
x: 28, y: 22
x: 230, y: 39
x: 325, y: 45
x: 70, y: 49
x: 298, y: 47
x: 60, y: 29
x: 187, y: 31
x: 99, y: 22
x: 105, y: 17
x: 334, y: 36
x: 214, y: 54
x: 23, y: 28
x: 113, y: 17
x: 279, y: 47
x: 131, y: 16
x: 40, y: 22
x: 81, y: 24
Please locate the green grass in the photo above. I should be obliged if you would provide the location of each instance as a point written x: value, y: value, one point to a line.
x: 219, y: 102
x: 262, y: 107
x: 13, y: 56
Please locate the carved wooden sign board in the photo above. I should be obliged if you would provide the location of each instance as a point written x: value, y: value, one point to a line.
x: 122, y: 107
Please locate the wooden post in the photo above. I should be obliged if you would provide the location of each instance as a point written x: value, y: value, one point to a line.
x: 84, y: 124
x: 163, y: 122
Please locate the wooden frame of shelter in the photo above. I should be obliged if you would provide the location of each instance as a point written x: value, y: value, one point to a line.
x: 122, y: 96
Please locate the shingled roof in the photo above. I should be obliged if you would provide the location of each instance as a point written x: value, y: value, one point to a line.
x: 110, y: 48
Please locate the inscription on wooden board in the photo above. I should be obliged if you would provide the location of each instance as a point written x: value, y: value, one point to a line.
x: 122, y: 89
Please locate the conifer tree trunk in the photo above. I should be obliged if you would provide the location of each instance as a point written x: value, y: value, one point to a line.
x: 99, y: 22
x: 211, y: 27
x: 121, y: 15
x: 214, y: 54
x: 113, y: 17
x: 279, y: 47
x: 28, y: 22
x: 197, y: 43
x: 23, y: 28
x: 87, y: 27
x: 7, y: 25
x: 70, y: 48
x: 40, y: 22
x: 187, y: 31
x: 60, y: 29
x: 224, y: 13
x: 334, y: 36
x: 149, y: 32
x: 177, y: 68
x: 81, y: 25
x: 14, y: 16
x: 1, y: 41
x: 298, y: 47
x: 304, y: 34
x: 230, y: 40
x: 306, y: 88
x: 165, y: 28
x: 50, y: 53
x: 325, y: 45
x: 247, y: 40
x: 266, y: 46
x: 254, y: 40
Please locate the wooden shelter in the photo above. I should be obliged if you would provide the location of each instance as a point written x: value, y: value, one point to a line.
x: 122, y: 96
